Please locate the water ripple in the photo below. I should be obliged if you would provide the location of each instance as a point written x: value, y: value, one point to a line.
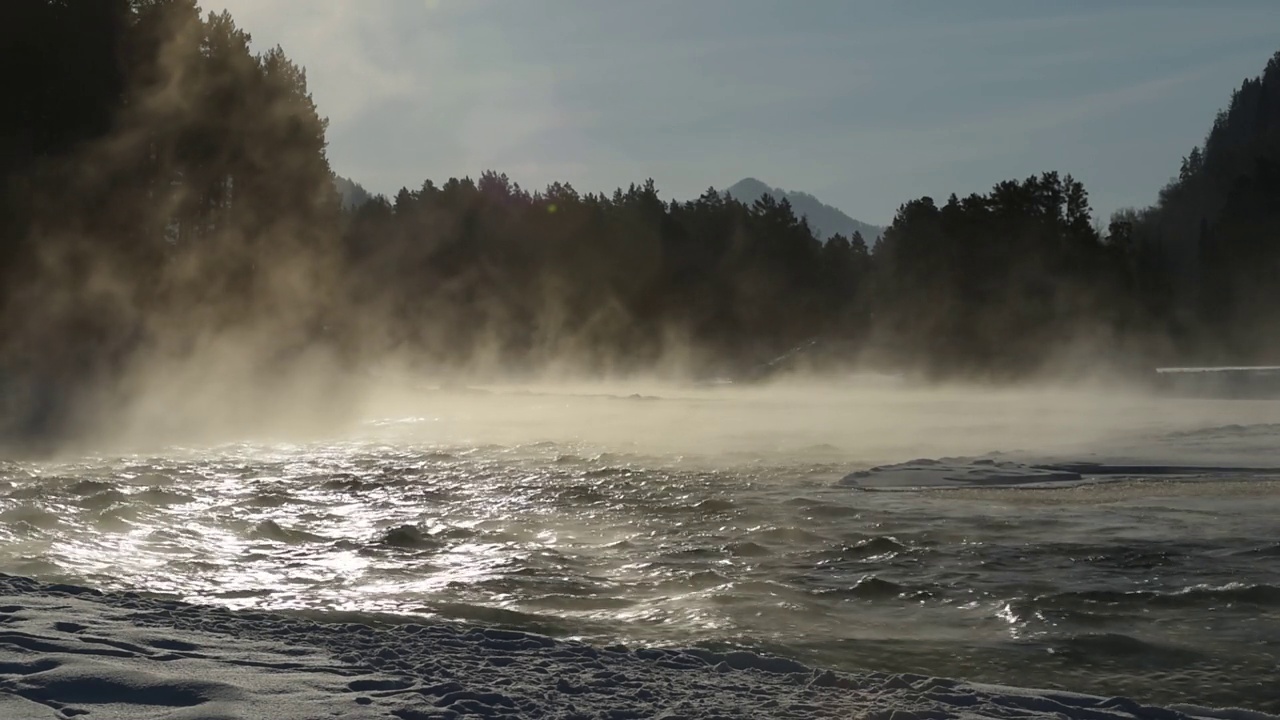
x: 610, y: 546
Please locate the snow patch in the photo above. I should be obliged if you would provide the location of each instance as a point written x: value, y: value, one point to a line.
x: 136, y: 657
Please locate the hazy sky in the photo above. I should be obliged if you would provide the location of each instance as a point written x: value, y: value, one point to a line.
x: 864, y: 103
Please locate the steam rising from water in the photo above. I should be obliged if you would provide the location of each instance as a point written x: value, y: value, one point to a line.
x: 857, y: 418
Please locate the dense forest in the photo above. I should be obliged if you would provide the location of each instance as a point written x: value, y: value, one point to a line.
x: 165, y: 192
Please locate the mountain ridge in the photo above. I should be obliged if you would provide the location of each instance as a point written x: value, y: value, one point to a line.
x: 826, y: 220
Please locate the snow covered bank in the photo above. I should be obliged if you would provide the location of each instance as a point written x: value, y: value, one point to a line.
x: 68, y: 652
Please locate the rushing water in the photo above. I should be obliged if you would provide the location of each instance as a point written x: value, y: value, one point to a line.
x: 719, y: 518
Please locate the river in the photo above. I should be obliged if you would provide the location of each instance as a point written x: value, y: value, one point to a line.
x: 726, y: 517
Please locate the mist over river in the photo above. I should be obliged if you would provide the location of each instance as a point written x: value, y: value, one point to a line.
x: 672, y: 516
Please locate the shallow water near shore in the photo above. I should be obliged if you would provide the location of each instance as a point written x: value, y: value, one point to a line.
x: 725, y: 518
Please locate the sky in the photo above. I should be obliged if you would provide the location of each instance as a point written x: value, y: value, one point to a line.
x: 864, y: 103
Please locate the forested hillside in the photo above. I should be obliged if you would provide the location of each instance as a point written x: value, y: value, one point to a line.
x: 164, y: 187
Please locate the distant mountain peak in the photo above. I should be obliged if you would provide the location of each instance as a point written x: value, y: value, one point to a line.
x: 824, y: 219
x: 753, y: 184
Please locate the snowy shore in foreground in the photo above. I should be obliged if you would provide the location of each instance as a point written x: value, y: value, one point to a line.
x: 69, y: 652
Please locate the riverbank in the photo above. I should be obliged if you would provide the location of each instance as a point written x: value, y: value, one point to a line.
x: 68, y: 651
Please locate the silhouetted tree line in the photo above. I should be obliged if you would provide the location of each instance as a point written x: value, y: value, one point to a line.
x: 1208, y: 251
x: 162, y: 186
x: 484, y: 271
x: 989, y: 285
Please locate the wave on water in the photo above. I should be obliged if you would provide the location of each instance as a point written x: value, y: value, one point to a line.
x: 408, y: 537
x: 271, y: 530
